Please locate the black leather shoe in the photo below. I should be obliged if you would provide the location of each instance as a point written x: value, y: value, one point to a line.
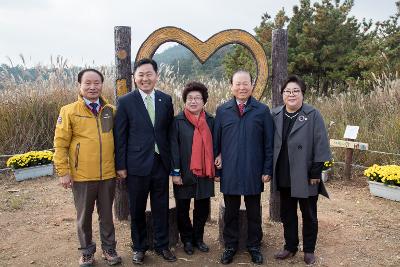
x: 227, y: 255
x: 167, y: 255
x: 138, y: 257
x: 284, y: 254
x: 188, y: 248
x: 201, y: 246
x: 256, y: 255
x: 309, y: 258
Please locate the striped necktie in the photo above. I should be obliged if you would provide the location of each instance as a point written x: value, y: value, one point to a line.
x: 241, y: 108
x: 94, y: 108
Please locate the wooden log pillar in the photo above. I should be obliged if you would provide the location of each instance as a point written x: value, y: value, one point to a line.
x: 279, y: 75
x: 173, y: 225
x: 123, y: 69
x: 123, y: 85
x: 242, y: 223
x: 209, y: 219
x: 348, y: 161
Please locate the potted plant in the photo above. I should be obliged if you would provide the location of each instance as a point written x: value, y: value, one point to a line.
x: 384, y: 181
x: 31, y: 164
x: 326, y: 169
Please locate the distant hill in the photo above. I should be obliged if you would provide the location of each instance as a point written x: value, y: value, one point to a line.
x: 173, y: 53
x: 185, y: 63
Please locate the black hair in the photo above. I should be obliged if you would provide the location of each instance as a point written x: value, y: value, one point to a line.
x: 243, y: 71
x: 143, y: 62
x: 80, y: 74
x: 294, y: 79
x: 195, y: 86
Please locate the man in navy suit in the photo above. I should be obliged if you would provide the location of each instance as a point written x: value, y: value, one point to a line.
x: 244, y: 137
x: 142, y: 155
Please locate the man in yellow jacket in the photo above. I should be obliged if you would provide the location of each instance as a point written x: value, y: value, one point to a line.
x: 84, y: 161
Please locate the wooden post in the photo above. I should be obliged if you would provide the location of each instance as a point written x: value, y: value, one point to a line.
x: 348, y: 161
x: 209, y: 213
x: 173, y: 225
x: 123, y: 85
x: 350, y: 146
x: 279, y: 64
x: 123, y: 72
x: 279, y: 75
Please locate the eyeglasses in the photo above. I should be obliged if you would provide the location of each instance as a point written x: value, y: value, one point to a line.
x: 289, y: 92
x: 196, y: 99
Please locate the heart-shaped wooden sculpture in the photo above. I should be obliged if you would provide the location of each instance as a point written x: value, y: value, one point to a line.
x: 204, y: 50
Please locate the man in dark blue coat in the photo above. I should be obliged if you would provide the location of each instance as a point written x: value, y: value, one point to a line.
x: 244, y: 137
x: 142, y: 156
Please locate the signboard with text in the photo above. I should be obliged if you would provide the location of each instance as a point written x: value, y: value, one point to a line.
x: 348, y: 144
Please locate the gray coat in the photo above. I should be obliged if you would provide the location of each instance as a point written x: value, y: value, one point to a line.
x: 307, y: 143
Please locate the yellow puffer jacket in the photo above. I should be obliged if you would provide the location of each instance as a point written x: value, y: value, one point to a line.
x: 84, y: 143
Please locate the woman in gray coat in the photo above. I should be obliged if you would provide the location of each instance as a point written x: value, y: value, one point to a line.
x: 193, y: 168
x: 300, y: 149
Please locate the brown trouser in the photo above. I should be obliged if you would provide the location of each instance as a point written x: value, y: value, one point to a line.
x: 86, y: 194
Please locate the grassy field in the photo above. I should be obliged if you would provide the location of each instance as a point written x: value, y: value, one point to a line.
x: 29, y: 110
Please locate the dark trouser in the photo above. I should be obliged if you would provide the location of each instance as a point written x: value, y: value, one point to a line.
x: 86, y: 195
x: 188, y: 232
x: 231, y: 218
x: 139, y: 188
x: 308, y: 207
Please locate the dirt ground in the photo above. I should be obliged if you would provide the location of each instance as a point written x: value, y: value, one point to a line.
x: 37, y: 228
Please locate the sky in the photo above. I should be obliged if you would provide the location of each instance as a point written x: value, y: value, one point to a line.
x: 82, y: 31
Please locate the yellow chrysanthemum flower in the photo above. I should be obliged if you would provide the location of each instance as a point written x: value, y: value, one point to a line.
x: 388, y: 174
x: 29, y: 159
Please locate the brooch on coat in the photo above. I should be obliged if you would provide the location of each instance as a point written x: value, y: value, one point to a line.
x: 302, y: 118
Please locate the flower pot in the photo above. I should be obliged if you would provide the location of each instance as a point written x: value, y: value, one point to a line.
x: 386, y: 191
x: 325, y: 175
x: 33, y: 172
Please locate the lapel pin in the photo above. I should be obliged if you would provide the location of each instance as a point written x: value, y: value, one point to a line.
x: 302, y: 118
x: 159, y: 99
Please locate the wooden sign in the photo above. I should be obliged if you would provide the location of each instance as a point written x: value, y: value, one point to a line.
x: 348, y: 144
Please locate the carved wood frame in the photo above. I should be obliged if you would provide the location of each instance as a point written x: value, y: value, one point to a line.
x: 204, y: 50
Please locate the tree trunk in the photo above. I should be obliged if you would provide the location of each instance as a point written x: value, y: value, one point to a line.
x: 325, y: 87
x: 173, y: 233
x: 279, y: 75
x: 123, y: 85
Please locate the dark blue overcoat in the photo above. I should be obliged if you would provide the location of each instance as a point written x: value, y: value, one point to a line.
x: 246, y: 146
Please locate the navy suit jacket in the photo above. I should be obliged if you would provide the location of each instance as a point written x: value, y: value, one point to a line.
x: 246, y: 146
x: 134, y: 134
